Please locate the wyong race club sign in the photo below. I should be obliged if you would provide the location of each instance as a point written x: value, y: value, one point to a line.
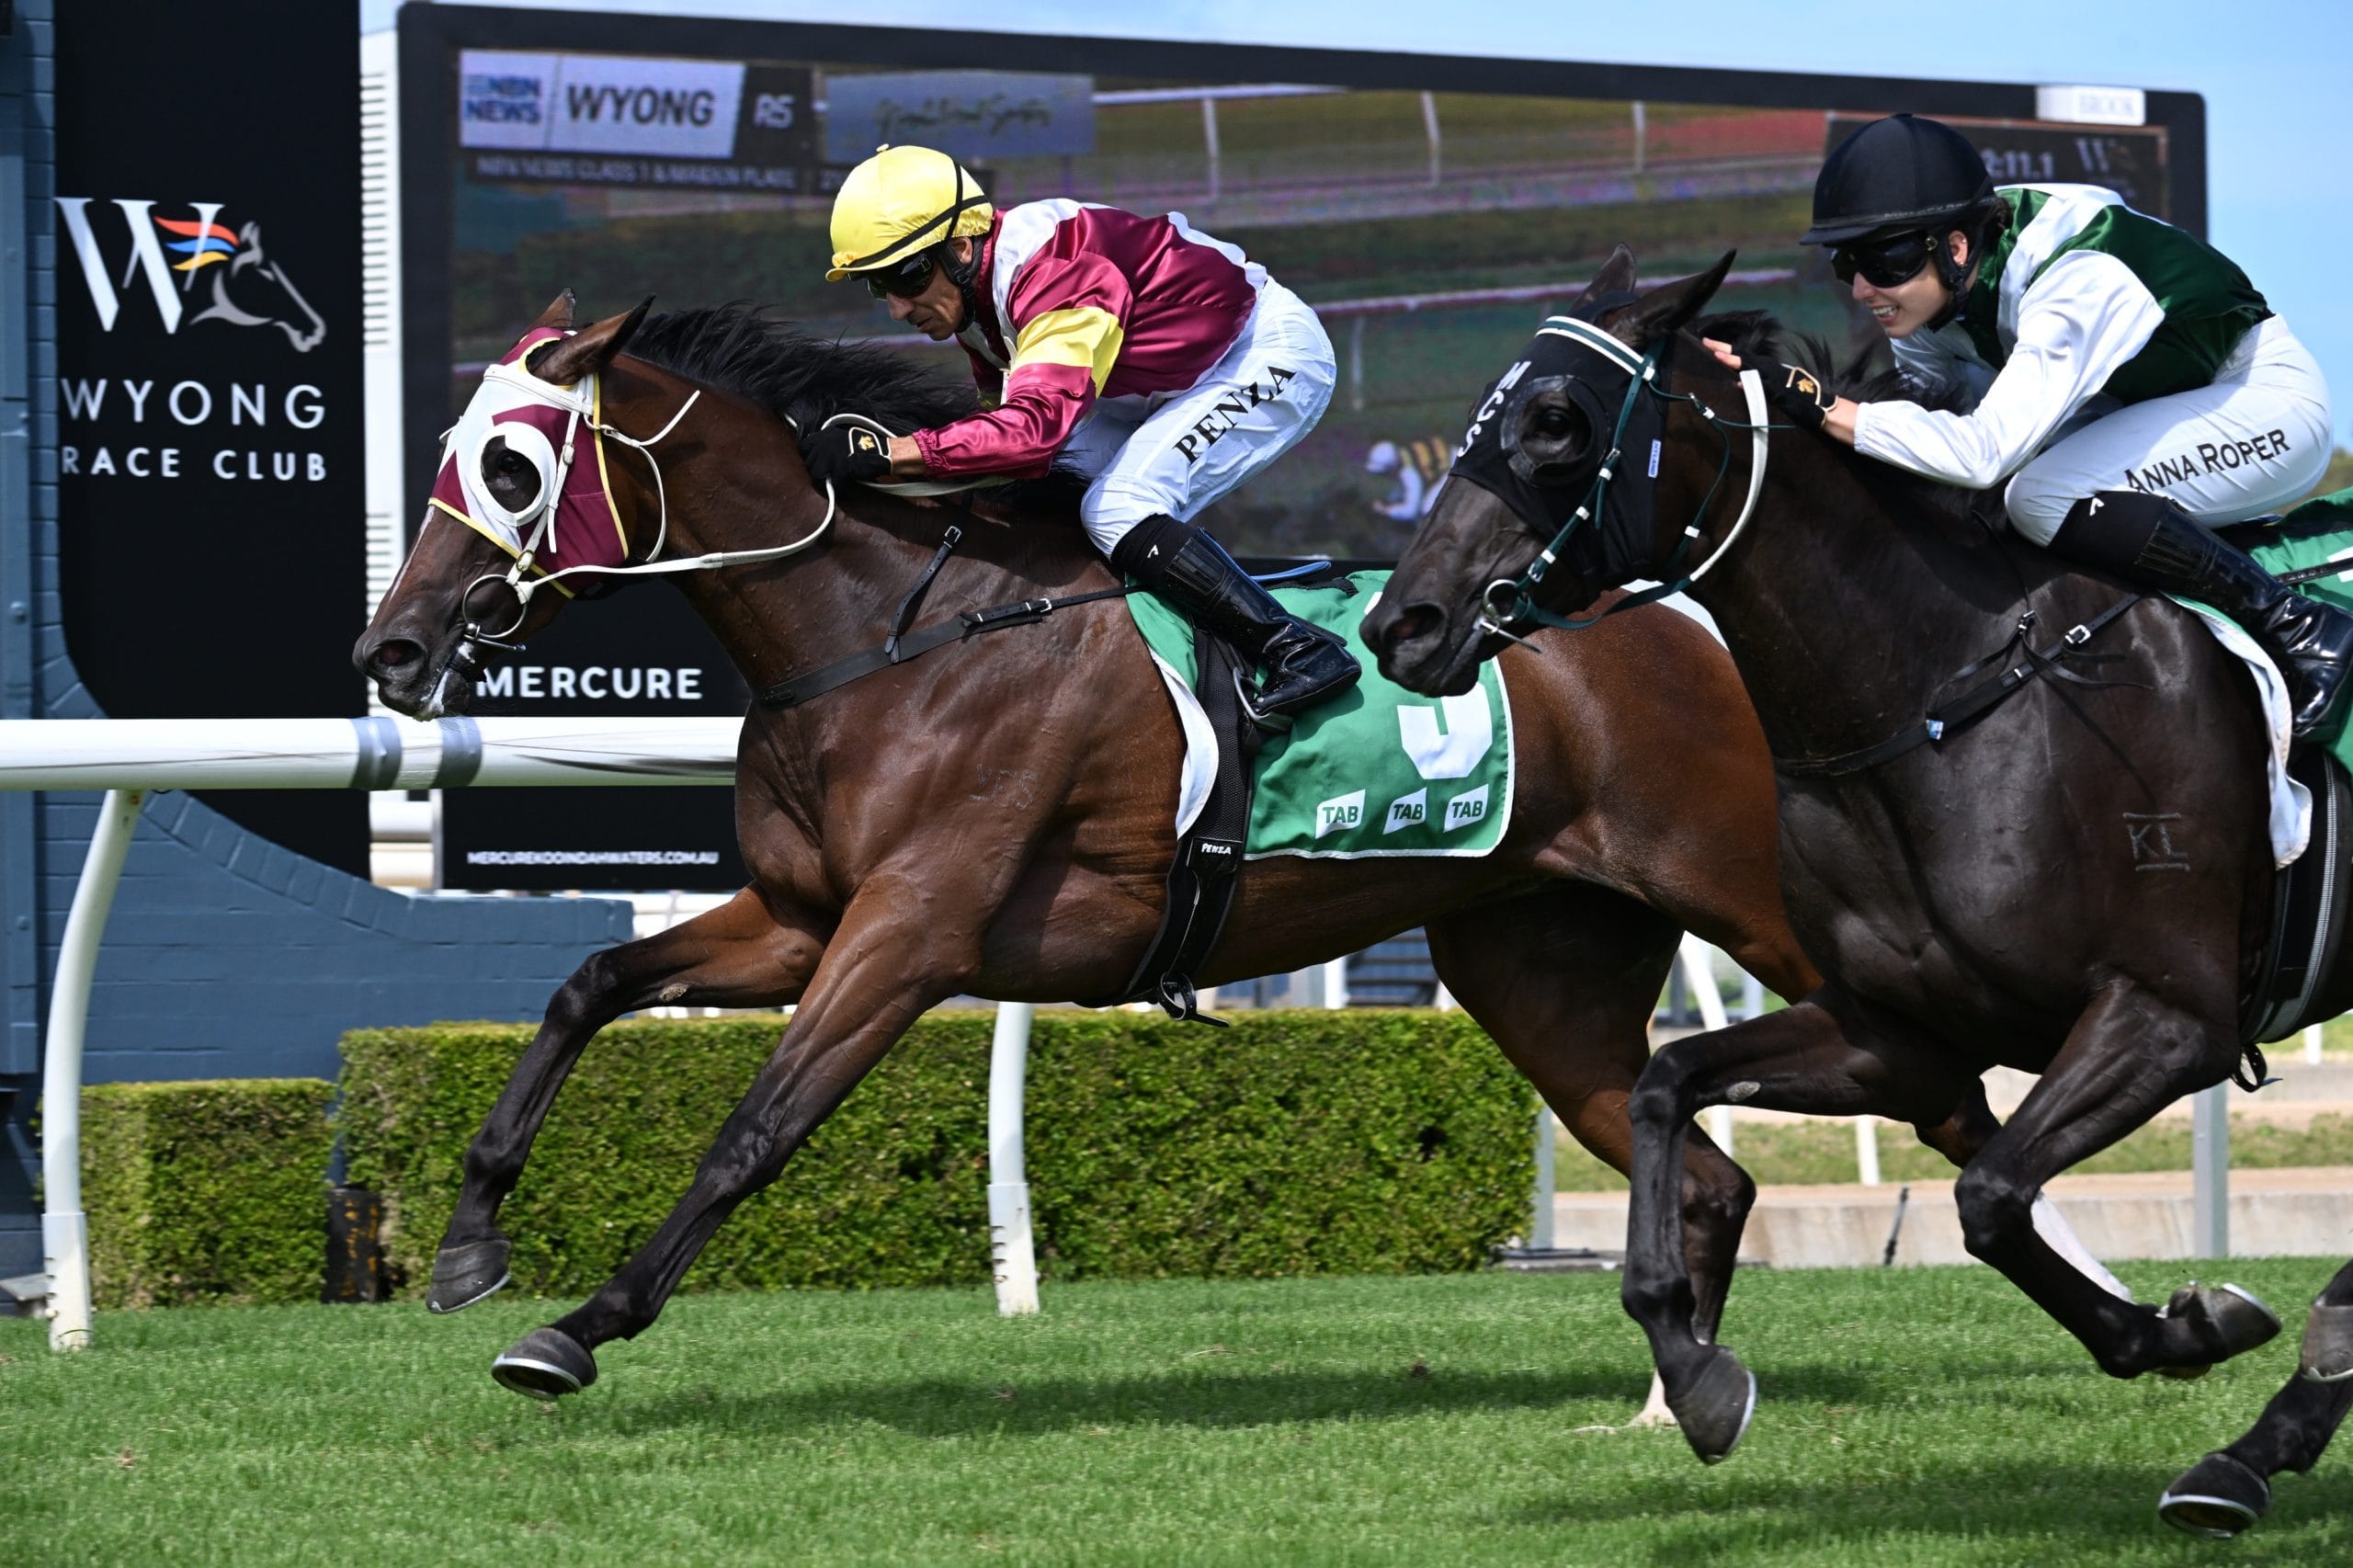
x: 208, y: 345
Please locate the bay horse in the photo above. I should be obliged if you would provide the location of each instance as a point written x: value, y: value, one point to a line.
x: 1979, y: 899
x: 996, y: 818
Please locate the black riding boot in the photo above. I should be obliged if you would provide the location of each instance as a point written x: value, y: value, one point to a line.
x: 2150, y: 542
x: 1304, y: 664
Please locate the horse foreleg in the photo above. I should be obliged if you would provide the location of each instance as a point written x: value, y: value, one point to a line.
x: 738, y: 955
x: 2128, y: 1056
x: 1565, y: 981
x: 882, y: 968
x: 2231, y: 1488
x: 1802, y: 1059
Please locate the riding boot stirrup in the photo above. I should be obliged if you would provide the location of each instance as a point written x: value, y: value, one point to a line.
x: 1304, y: 664
x: 2151, y: 542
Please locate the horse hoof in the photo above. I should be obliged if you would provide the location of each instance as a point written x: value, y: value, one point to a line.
x: 546, y: 1363
x: 2328, y: 1343
x: 2216, y: 1497
x: 2224, y: 1320
x: 1714, y: 1411
x: 464, y: 1274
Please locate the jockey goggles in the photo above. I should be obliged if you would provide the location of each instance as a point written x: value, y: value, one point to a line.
x: 1884, y: 262
x: 904, y: 278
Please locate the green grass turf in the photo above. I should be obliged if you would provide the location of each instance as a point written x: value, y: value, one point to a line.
x: 1824, y: 1152
x: 1926, y: 1416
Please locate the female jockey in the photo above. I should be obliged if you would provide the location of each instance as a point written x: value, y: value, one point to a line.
x: 1154, y: 360
x: 2126, y: 380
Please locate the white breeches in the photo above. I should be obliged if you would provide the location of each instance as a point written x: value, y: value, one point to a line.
x: 1174, y: 453
x: 2249, y: 442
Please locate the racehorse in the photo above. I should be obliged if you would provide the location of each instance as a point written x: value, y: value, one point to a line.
x: 997, y: 818
x: 2076, y: 883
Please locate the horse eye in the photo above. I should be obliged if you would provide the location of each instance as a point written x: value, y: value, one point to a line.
x: 1553, y: 422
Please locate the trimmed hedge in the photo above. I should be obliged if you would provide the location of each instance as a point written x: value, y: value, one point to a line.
x: 205, y: 1191
x: 1292, y: 1143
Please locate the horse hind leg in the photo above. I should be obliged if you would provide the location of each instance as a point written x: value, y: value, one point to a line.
x: 1565, y: 981
x: 2229, y: 1489
x: 737, y: 955
x: 2129, y: 1054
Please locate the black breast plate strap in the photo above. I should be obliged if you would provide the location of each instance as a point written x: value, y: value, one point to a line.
x: 1971, y: 704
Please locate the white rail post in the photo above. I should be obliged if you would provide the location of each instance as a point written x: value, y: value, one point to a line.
x: 1867, y: 1150
x: 1011, y: 1248
x: 1429, y: 125
x: 2210, y: 1168
x: 1209, y: 136
x: 1335, y: 983
x: 2313, y: 1035
x: 64, y: 1228
x: 1539, y: 1209
x: 1700, y: 974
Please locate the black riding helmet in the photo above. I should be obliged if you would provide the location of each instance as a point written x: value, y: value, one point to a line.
x: 1905, y: 174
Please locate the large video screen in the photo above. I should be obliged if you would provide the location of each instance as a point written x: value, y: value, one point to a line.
x: 1432, y: 210
x: 1428, y: 227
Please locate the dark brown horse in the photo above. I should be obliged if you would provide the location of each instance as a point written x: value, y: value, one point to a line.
x: 997, y: 818
x: 1978, y: 901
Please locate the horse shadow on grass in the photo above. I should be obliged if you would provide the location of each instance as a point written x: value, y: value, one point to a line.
x: 1206, y: 1398
x: 2034, y: 1508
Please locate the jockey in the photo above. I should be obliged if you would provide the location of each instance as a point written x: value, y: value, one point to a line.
x: 2125, y: 378
x: 1155, y: 361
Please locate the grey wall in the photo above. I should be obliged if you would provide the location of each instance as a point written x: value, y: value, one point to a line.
x: 226, y: 956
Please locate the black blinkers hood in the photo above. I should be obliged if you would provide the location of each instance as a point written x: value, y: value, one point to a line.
x: 1624, y: 431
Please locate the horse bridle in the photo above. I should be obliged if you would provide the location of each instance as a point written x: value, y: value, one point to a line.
x: 578, y: 402
x: 1509, y: 602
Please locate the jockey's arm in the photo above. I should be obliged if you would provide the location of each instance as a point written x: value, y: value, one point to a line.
x: 2077, y: 324
x: 1067, y: 315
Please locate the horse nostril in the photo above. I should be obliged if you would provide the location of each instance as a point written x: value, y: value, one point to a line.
x: 392, y: 653
x: 1414, y: 622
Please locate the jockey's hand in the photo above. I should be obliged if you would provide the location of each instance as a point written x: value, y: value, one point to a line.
x: 1796, y: 394
x: 848, y: 454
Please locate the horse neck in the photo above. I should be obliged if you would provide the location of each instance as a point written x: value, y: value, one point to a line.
x: 737, y: 491
x: 1843, y: 614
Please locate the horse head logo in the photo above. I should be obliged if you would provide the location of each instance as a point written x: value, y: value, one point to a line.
x: 283, y: 306
x: 246, y: 288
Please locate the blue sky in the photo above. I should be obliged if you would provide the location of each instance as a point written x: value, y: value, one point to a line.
x: 2279, y: 126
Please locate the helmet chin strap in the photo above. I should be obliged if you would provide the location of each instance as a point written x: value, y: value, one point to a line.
x: 1954, y: 276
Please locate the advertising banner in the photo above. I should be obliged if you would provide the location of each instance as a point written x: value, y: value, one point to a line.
x: 212, y: 527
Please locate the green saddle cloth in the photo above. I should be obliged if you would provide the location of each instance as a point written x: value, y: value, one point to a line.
x: 2315, y: 536
x: 1378, y: 770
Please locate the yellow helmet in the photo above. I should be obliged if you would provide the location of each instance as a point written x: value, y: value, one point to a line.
x: 902, y: 200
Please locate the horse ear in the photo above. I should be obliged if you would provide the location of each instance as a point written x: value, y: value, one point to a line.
x: 1669, y: 307
x: 590, y: 349
x: 558, y: 314
x: 1616, y: 276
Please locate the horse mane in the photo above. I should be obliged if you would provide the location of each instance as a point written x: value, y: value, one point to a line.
x: 805, y: 377
x: 1866, y: 373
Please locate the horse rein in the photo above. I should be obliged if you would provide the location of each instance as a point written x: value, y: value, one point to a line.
x: 1510, y: 601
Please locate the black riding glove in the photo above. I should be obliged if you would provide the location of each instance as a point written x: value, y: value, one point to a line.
x: 848, y: 454
x: 1797, y: 395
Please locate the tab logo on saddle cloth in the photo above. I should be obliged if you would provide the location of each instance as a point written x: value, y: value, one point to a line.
x: 1380, y: 771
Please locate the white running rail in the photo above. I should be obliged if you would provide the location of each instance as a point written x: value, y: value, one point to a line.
x: 130, y: 758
